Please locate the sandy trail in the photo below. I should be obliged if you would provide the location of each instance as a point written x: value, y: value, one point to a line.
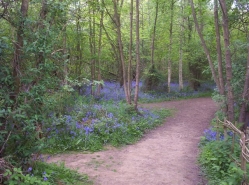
x: 165, y: 156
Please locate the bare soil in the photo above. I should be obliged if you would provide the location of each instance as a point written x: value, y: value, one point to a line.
x: 164, y: 156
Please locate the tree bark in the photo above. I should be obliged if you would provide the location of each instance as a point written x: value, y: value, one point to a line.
x: 99, y: 49
x: 18, y: 54
x: 154, y: 36
x: 41, y: 26
x: 245, y: 95
x: 181, y: 45
x: 92, y: 42
x: 130, y: 51
x: 226, y: 35
x: 120, y: 45
x: 170, y: 43
x: 137, y: 55
x: 218, y: 47
x: 204, y: 45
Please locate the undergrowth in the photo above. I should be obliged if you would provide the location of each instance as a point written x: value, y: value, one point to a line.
x: 45, y: 174
x: 218, y: 159
x: 92, y: 126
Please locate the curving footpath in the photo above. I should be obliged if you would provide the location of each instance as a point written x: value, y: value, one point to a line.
x: 165, y: 156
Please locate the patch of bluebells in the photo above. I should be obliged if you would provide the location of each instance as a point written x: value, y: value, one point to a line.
x: 211, y: 135
x: 94, y: 121
x: 113, y: 91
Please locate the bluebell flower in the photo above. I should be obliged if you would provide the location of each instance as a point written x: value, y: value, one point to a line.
x: 210, y: 134
x: 88, y: 130
x: 110, y: 115
x: 45, y: 178
x: 73, y: 133
x: 117, y: 125
x: 78, y: 126
x: 68, y: 118
x: 29, y: 169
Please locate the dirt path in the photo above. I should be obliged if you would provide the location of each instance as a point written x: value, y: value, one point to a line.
x: 165, y: 156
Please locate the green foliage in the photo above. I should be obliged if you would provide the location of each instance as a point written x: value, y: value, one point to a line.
x: 45, y: 174
x: 217, y: 163
x: 17, y: 177
x: 152, y: 79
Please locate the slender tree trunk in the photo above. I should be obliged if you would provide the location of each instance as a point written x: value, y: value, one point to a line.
x: 99, y: 49
x: 91, y: 45
x: 41, y: 26
x: 154, y: 35
x: 204, y: 45
x: 130, y: 51
x: 245, y: 94
x: 230, y: 98
x: 137, y: 55
x: 18, y: 54
x: 242, y: 116
x: 170, y: 43
x: 181, y: 45
x: 120, y: 44
x: 218, y: 47
x: 78, y: 47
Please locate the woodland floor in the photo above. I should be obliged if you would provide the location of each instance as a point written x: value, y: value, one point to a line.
x: 164, y: 156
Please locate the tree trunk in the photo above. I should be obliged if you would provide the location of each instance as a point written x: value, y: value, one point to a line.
x: 204, y: 45
x: 120, y: 45
x: 92, y: 44
x: 181, y: 45
x: 242, y: 116
x: 41, y: 26
x: 226, y: 35
x: 154, y: 36
x: 78, y: 46
x: 99, y: 49
x: 170, y: 43
x: 18, y: 54
x: 218, y: 47
x: 130, y: 51
x: 137, y: 55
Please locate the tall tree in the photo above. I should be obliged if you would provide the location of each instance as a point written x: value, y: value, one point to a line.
x: 226, y: 36
x: 154, y: 35
x: 18, y: 54
x: 137, y: 55
x: 41, y: 26
x: 130, y: 50
x: 204, y: 45
x: 117, y: 6
x: 181, y: 45
x: 100, y: 47
x: 218, y: 47
x: 244, y: 9
x: 170, y: 43
x: 92, y: 43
